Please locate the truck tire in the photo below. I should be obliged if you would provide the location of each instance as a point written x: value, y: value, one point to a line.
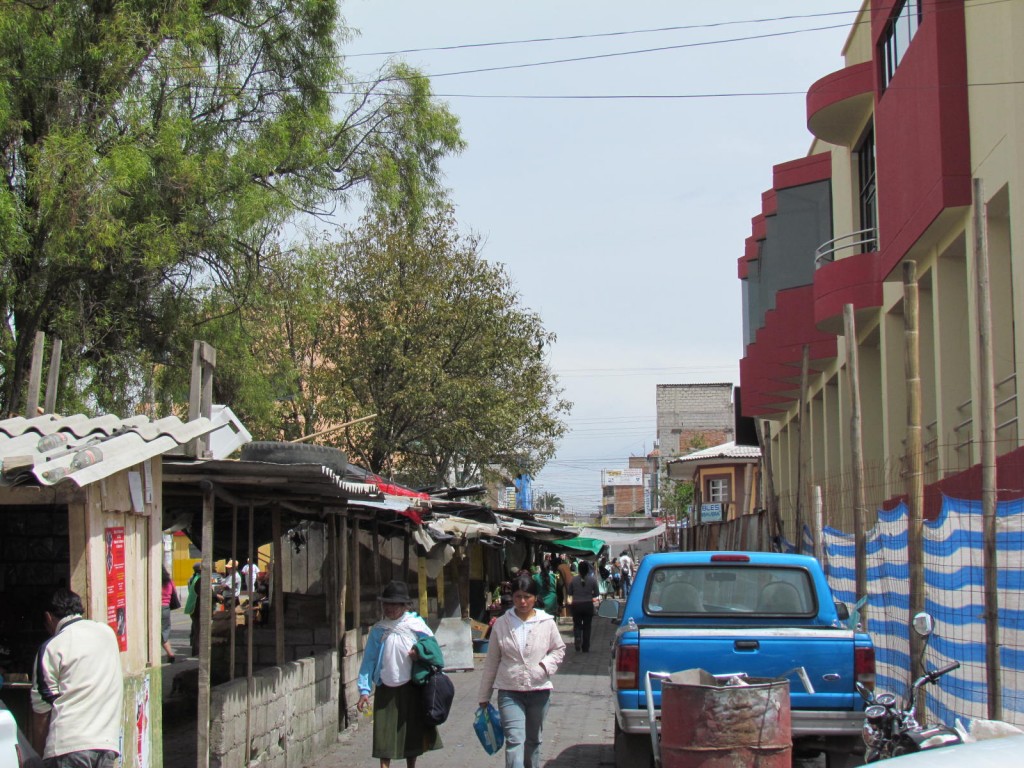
x: 632, y: 750
x: 273, y: 452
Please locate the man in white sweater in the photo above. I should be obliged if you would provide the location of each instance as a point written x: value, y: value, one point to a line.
x: 77, y: 689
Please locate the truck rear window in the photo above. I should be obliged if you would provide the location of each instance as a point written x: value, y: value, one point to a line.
x: 729, y: 589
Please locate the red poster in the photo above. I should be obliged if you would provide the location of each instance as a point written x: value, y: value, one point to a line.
x: 113, y: 539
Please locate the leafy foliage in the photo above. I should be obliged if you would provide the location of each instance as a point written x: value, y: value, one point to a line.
x: 152, y: 154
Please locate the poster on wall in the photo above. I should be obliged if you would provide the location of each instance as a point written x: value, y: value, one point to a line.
x: 142, y: 726
x: 113, y: 540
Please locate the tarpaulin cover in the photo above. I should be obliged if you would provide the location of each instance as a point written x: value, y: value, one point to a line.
x: 582, y: 543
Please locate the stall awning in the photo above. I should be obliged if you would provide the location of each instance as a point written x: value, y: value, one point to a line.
x: 582, y: 543
x: 625, y: 538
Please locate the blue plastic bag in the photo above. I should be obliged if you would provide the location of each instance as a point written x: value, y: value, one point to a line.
x: 487, y: 725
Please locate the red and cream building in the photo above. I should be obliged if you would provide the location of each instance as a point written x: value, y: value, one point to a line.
x: 928, y: 108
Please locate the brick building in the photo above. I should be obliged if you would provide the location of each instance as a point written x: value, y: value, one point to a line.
x: 693, y: 416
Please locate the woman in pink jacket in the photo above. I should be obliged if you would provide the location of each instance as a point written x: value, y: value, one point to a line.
x: 524, y: 651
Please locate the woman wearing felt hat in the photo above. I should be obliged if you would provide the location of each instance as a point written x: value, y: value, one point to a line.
x: 398, y: 728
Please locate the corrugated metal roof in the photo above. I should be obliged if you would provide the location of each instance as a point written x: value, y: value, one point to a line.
x: 724, y: 451
x: 50, y: 449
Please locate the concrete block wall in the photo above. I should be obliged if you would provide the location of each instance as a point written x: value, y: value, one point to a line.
x: 685, y: 410
x: 294, y: 712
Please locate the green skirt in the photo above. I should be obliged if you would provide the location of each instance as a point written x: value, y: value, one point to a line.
x: 398, y: 728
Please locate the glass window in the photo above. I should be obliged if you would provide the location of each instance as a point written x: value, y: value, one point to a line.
x: 900, y: 31
x: 717, y: 490
x: 730, y: 589
x: 867, y: 200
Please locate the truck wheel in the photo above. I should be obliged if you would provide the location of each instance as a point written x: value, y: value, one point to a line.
x: 632, y: 750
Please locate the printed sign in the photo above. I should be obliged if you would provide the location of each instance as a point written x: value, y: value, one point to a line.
x: 117, y: 617
x: 711, y: 513
x: 622, y: 477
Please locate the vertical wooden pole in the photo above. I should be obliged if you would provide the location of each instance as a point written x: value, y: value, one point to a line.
x: 987, y: 430
x: 278, y: 585
x: 857, y: 459
x: 35, y: 376
x: 343, y: 574
x: 421, y: 583
x: 331, y: 577
x: 250, y: 627
x: 53, y: 376
x: 803, y: 436
x: 357, y: 586
x: 914, y: 463
x: 376, y: 557
x: 233, y: 605
x: 205, y: 631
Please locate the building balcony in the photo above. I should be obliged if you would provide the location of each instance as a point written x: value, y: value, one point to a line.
x: 855, y: 279
x: 839, y: 104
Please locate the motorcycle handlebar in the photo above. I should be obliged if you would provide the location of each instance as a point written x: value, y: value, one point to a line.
x: 934, y: 675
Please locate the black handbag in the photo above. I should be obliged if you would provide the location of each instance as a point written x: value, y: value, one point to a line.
x: 175, y: 600
x: 438, y: 694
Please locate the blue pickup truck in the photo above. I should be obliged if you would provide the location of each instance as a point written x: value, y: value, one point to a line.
x: 758, y: 613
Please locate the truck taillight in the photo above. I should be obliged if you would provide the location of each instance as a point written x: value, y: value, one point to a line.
x: 627, y: 667
x: 864, y: 666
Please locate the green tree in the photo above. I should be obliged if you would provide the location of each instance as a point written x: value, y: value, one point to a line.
x: 677, y: 497
x: 549, y: 502
x: 151, y: 149
x: 434, y: 340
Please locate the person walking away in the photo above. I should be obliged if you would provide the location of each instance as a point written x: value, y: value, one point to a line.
x: 565, y: 577
x: 523, y: 654
x: 399, y: 732
x: 582, y: 594
x: 193, y: 605
x: 547, y: 589
x: 250, y: 572
x: 167, y: 599
x: 626, y: 569
x: 77, y: 692
x: 616, y: 582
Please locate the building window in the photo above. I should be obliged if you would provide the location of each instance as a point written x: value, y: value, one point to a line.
x: 717, y: 490
x: 867, y: 197
x: 898, y: 34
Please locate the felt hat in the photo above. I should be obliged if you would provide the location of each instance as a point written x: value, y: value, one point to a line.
x: 395, y: 592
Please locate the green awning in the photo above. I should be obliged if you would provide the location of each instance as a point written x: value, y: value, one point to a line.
x: 582, y: 543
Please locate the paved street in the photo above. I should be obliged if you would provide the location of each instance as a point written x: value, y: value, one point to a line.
x: 577, y: 732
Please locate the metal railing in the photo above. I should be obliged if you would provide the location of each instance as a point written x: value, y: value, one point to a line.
x: 864, y: 239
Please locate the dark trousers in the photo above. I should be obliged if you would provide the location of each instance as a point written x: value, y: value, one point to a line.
x: 582, y: 616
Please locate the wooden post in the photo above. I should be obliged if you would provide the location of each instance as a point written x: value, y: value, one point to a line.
x: 233, y: 606
x: 357, y: 586
x: 421, y: 584
x: 343, y: 574
x: 205, y: 632
x: 376, y: 556
x: 803, y: 434
x: 463, y: 579
x: 250, y: 627
x: 35, y: 376
x: 818, y: 510
x: 53, y: 376
x: 278, y: 584
x: 857, y: 459
x: 200, y: 401
x: 331, y: 578
x: 914, y: 465
x: 987, y: 434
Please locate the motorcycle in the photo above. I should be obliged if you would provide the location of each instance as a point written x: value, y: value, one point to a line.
x: 890, y: 730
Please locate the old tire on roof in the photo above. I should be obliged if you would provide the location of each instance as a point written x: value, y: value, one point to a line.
x: 273, y: 452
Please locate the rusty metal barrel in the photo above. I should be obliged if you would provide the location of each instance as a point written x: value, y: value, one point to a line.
x: 726, y: 726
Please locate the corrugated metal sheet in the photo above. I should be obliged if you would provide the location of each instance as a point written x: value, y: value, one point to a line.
x: 50, y: 449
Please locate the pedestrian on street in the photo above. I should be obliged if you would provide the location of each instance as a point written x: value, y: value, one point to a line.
x: 399, y: 732
x: 168, y: 598
x: 626, y: 569
x: 565, y: 576
x: 193, y: 606
x: 77, y: 689
x: 583, y: 593
x: 547, y: 589
x: 523, y: 654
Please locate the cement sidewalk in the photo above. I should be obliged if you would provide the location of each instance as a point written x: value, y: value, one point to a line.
x: 577, y: 733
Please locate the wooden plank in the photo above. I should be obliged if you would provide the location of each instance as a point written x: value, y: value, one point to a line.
x: 278, y: 584
x: 205, y: 626
x: 35, y: 376
x: 53, y: 377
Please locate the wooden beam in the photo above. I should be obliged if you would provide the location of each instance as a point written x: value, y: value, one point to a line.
x: 205, y: 634
x: 53, y: 376
x: 35, y: 376
x: 277, y: 579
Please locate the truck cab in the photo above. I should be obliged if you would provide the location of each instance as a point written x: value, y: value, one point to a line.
x: 759, y: 614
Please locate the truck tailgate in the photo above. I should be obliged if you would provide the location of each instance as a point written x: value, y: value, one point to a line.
x: 826, y: 653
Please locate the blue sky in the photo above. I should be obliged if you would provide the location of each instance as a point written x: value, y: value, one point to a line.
x: 620, y: 219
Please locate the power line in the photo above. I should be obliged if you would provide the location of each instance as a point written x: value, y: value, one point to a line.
x: 596, y: 35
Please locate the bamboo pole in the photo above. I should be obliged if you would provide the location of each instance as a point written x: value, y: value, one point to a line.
x: 335, y: 428
x: 857, y: 459
x: 987, y: 428
x: 914, y: 462
x: 803, y: 435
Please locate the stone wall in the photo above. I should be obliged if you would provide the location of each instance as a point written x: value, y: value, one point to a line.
x: 294, y: 712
